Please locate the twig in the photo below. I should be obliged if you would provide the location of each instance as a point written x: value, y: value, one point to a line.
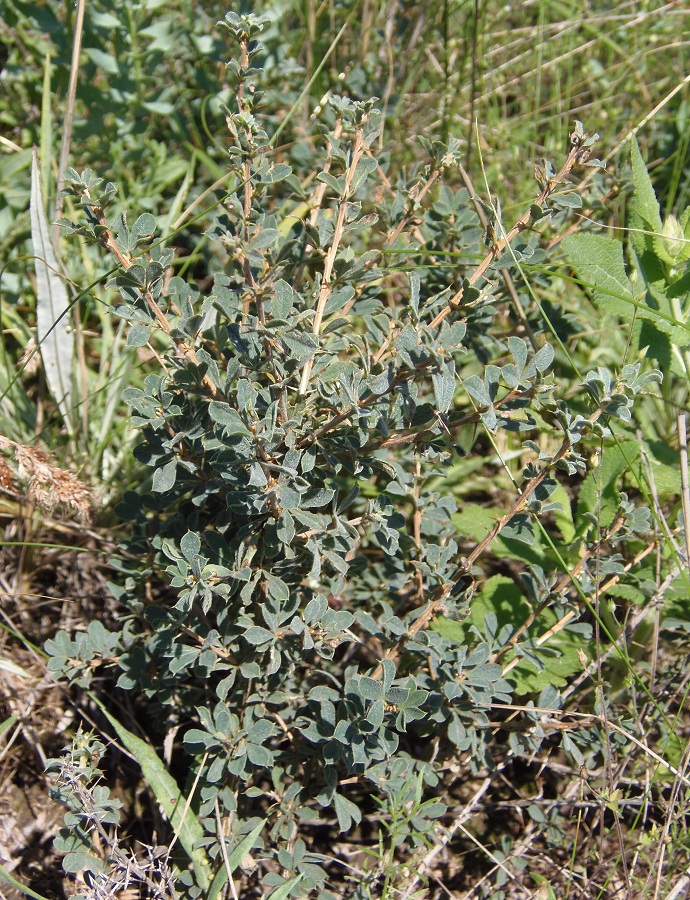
x: 110, y: 244
x: 577, y: 155
x: 326, y: 284
x: 442, y: 593
x: 685, y: 485
x: 224, y: 850
x: 507, y: 277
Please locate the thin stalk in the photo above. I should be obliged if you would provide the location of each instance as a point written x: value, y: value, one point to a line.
x: 326, y: 283
x: 69, y: 117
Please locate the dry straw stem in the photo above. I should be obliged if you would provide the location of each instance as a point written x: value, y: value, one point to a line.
x: 685, y: 485
x: 69, y: 115
x: 676, y: 801
x: 49, y: 486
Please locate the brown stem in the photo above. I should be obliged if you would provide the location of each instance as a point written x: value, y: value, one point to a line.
x: 504, y: 240
x: 416, y: 197
x: 442, y: 593
x: 110, y: 244
x: 409, y: 436
x: 69, y: 119
x: 326, y: 284
x: 417, y: 530
x: 507, y: 277
x: 557, y: 589
x: 576, y: 154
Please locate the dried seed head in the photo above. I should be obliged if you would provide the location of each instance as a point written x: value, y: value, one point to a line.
x: 49, y: 486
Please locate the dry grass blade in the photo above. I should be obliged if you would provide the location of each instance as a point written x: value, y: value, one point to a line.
x: 53, y: 331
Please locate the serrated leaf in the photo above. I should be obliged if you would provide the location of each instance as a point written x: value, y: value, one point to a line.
x: 53, y: 332
x: 645, y: 206
x: 599, y: 262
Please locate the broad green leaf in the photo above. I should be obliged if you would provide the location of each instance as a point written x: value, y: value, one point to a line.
x: 560, y: 663
x: 53, y: 327
x: 600, y: 264
x: 600, y: 489
x: 563, y: 517
x: 644, y: 210
x: 168, y: 794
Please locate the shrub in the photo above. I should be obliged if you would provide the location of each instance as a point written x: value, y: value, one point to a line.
x: 299, y: 576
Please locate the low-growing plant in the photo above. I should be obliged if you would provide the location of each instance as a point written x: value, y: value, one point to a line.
x: 300, y: 588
